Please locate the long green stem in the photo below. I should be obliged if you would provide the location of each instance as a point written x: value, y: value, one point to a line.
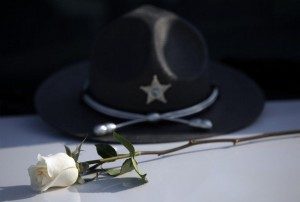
x: 120, y: 156
x: 234, y: 141
x: 190, y: 143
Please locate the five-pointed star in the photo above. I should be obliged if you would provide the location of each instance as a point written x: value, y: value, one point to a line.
x: 155, y: 91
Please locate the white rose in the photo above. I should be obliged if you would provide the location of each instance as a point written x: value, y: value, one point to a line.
x: 57, y: 170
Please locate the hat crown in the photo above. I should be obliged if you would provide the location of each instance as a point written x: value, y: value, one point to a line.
x: 149, y: 45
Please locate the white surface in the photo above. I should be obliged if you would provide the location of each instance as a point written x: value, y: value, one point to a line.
x: 261, y: 171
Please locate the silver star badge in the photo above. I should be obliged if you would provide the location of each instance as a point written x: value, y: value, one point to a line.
x: 155, y: 91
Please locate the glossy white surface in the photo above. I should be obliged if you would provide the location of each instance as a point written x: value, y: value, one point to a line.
x: 260, y: 171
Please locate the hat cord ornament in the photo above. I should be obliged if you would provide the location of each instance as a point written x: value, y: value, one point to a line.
x: 134, y: 118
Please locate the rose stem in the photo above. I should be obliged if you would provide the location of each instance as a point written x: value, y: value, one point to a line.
x: 190, y: 143
x: 234, y: 141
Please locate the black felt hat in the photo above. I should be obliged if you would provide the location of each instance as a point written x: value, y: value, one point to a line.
x: 150, y: 79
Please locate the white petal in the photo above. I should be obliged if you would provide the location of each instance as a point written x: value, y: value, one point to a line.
x: 33, y: 179
x: 41, y: 160
x: 66, y: 178
x: 58, y: 162
x: 37, y: 181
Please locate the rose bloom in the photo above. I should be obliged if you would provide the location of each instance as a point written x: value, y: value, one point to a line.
x: 57, y: 170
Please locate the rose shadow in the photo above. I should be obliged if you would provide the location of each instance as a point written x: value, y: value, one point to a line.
x: 108, y: 185
x: 12, y: 193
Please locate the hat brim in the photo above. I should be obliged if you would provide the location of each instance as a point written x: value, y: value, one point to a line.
x: 58, y: 102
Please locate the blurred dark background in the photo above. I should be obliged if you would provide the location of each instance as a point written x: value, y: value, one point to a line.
x: 38, y: 37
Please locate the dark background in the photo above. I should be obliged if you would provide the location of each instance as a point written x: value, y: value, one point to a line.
x: 38, y: 37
